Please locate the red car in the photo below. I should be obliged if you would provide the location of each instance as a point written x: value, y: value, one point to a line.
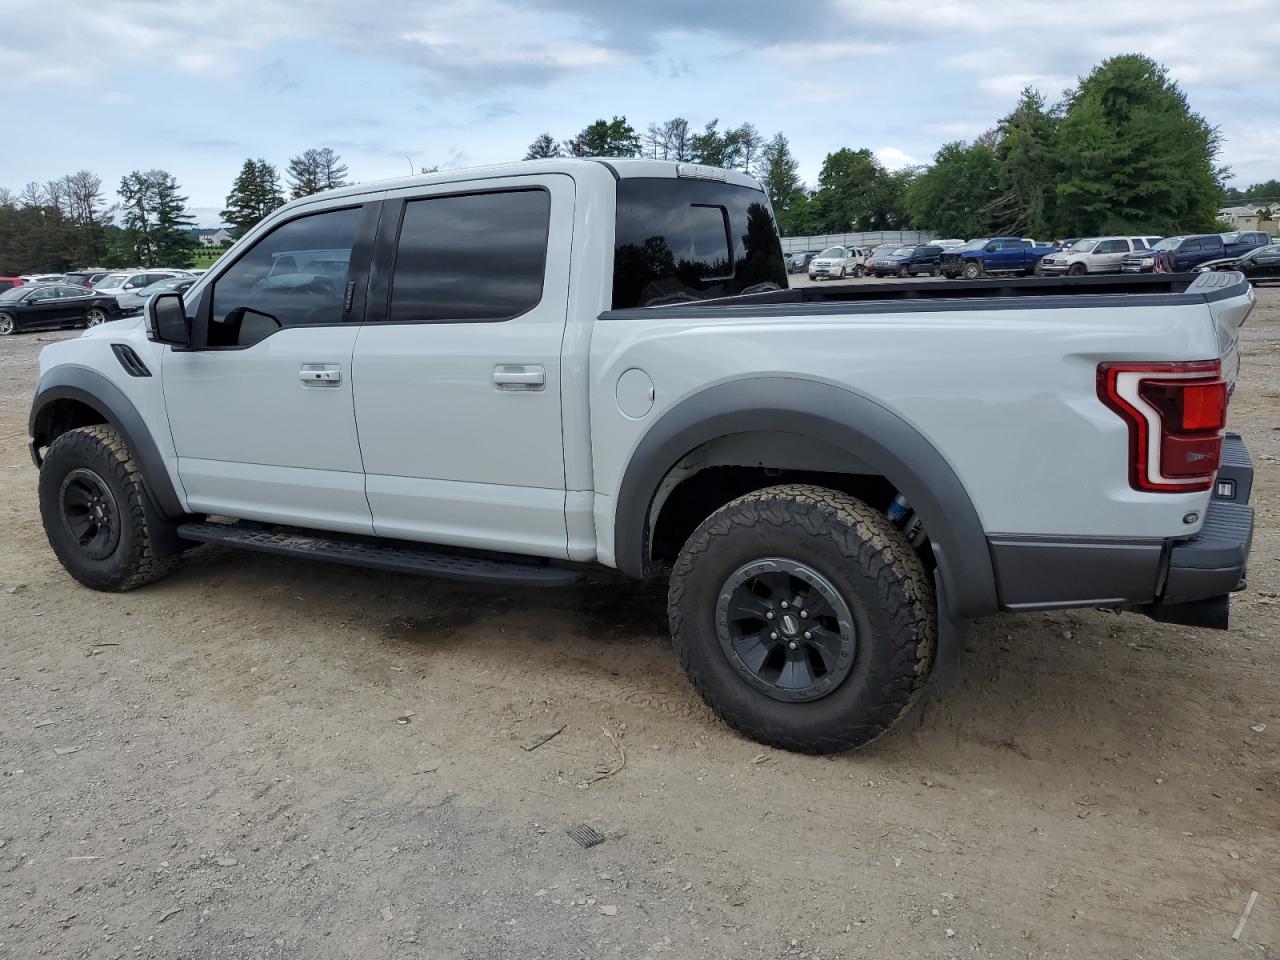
x: 8, y: 283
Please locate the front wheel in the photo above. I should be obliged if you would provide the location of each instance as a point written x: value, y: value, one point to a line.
x: 1077, y: 270
x: 803, y: 618
x: 972, y: 270
x: 904, y: 272
x: 95, y: 511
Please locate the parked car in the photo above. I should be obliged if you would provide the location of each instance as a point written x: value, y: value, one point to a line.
x: 836, y: 263
x: 908, y: 261
x: 830, y: 507
x: 40, y: 305
x: 884, y: 250
x: 1184, y: 253
x: 992, y: 255
x: 1092, y: 255
x: 85, y: 278
x: 133, y: 301
x: 795, y: 262
x: 41, y: 277
x: 1240, y: 242
x: 117, y: 284
x: 1259, y: 264
x: 8, y: 283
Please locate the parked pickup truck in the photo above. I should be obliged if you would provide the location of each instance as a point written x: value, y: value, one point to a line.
x: 998, y: 255
x: 1178, y: 254
x: 834, y: 480
x: 1240, y: 242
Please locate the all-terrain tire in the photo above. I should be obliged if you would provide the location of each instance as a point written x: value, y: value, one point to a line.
x: 98, y: 455
x: 875, y: 572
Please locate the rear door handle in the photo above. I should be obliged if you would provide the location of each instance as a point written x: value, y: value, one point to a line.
x: 320, y: 375
x: 520, y: 377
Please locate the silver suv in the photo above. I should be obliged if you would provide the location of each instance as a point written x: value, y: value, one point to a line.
x: 1093, y: 255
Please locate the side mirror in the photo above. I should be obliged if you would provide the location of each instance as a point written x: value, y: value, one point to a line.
x: 167, y: 320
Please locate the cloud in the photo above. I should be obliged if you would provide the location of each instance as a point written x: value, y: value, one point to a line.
x: 895, y: 159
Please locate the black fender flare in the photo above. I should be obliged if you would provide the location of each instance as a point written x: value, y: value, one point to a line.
x: 890, y: 446
x: 87, y: 386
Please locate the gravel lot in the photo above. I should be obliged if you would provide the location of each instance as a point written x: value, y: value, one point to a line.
x: 269, y: 758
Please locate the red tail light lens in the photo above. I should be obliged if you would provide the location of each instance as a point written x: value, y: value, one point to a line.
x: 1176, y: 414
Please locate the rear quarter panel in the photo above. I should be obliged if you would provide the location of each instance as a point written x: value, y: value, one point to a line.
x: 1008, y: 396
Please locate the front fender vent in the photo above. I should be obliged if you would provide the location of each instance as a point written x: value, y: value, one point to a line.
x: 131, y: 362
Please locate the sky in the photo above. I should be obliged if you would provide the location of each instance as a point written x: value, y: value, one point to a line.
x: 196, y: 86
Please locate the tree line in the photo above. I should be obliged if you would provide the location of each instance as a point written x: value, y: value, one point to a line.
x: 1122, y: 151
x: 70, y: 222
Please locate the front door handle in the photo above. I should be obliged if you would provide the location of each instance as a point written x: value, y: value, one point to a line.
x: 320, y: 375
x: 520, y: 377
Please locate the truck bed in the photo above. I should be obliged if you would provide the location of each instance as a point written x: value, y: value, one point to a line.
x: 1160, y: 289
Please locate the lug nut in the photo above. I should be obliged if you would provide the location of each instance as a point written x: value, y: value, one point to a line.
x: 785, y: 605
x: 808, y: 635
x: 793, y: 645
x: 804, y: 614
x: 773, y: 636
x: 769, y: 615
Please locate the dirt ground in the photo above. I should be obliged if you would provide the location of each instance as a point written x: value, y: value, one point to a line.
x: 270, y: 758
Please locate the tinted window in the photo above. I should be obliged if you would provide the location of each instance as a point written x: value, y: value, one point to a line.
x: 667, y: 248
x: 295, y: 275
x: 471, y: 258
x: 5, y: 285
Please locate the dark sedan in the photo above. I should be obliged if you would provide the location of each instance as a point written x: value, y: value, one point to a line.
x: 32, y: 307
x: 1260, y: 265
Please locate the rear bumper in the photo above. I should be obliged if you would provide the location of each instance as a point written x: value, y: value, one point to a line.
x: 1180, y: 581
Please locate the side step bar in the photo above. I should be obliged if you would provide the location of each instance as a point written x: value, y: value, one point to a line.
x: 397, y: 556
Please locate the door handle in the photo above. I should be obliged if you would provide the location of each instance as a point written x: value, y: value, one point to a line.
x: 320, y: 375
x: 520, y: 377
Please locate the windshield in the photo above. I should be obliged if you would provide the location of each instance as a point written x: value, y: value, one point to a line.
x: 14, y: 293
x: 834, y: 253
x: 973, y: 244
x: 159, y: 287
x: 1168, y: 243
x: 1083, y: 246
x: 110, y: 283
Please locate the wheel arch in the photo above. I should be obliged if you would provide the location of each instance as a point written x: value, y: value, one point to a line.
x: 72, y: 396
x: 810, y: 416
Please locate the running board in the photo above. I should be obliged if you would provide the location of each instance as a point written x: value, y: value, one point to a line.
x: 397, y: 556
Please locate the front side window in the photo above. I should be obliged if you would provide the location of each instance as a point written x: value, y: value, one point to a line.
x: 471, y: 258
x: 294, y: 276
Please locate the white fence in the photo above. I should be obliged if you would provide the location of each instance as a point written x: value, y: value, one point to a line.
x: 872, y: 239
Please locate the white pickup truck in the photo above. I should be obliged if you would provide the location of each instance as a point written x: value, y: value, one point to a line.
x: 510, y: 374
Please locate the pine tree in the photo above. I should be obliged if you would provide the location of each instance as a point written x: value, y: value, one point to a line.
x: 605, y: 138
x: 254, y: 194
x: 156, y: 223
x: 779, y: 174
x: 315, y: 170
x: 543, y: 148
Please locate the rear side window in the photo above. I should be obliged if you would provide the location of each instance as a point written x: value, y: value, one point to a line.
x: 472, y: 258
x: 682, y: 240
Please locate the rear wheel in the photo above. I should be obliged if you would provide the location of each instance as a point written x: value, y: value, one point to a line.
x: 972, y: 270
x: 7, y: 324
x: 95, y: 511
x: 95, y: 316
x: 803, y: 618
x: 934, y: 271
x: 859, y: 272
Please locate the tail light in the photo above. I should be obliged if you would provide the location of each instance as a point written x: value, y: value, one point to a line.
x: 1176, y: 414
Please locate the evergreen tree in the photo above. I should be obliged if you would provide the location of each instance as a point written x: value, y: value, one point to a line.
x: 1135, y: 157
x: 315, y: 170
x: 715, y: 149
x: 1026, y: 168
x: 605, y: 138
x: 543, y: 148
x: 157, y: 226
x: 780, y: 177
x: 255, y: 193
